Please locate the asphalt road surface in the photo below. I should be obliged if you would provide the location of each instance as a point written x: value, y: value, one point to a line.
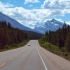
x: 32, y: 57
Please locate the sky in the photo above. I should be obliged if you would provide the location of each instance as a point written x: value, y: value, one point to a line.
x: 36, y: 12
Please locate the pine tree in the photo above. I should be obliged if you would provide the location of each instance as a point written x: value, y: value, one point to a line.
x: 67, y: 44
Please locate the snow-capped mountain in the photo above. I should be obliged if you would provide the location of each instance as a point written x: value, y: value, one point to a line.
x: 13, y: 22
x: 49, y: 25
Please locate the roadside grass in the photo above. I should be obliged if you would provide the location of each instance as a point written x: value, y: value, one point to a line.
x: 54, y: 49
x: 14, y: 46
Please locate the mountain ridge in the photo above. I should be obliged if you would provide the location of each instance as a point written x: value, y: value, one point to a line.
x: 13, y: 22
x: 52, y: 24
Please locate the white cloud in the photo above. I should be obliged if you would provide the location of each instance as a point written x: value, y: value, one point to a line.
x: 56, y: 4
x: 31, y: 17
x: 31, y: 1
x: 7, y: 5
x: 57, y: 7
x: 68, y: 22
x: 60, y: 7
x: 65, y: 11
x: 60, y: 20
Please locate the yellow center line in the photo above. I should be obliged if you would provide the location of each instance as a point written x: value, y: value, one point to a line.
x: 2, y: 64
x: 11, y: 59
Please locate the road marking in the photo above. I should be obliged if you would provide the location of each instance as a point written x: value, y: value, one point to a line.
x: 11, y: 59
x: 2, y: 64
x: 42, y: 60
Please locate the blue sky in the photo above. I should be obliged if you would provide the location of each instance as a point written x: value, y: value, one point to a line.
x: 21, y: 3
x: 36, y: 12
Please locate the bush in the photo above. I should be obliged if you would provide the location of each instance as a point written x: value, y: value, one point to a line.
x: 8, y: 47
x: 62, y: 52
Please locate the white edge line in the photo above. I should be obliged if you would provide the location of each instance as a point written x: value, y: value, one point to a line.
x: 42, y: 60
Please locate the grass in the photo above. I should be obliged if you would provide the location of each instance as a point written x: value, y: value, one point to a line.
x: 54, y: 49
x: 14, y: 46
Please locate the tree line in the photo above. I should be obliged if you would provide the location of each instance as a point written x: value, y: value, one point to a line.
x: 10, y: 35
x: 60, y: 38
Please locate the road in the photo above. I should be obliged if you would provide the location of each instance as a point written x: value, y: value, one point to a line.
x: 32, y: 57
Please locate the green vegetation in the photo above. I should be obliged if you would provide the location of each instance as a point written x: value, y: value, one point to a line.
x: 14, y: 46
x: 54, y: 49
x: 58, y: 41
x: 11, y: 37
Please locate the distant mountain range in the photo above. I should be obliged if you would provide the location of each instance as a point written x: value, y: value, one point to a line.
x: 30, y: 32
x: 13, y: 22
x: 49, y: 25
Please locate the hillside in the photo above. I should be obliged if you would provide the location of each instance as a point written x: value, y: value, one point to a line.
x: 10, y: 37
x: 13, y: 22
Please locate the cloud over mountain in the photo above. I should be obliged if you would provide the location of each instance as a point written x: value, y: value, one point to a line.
x: 30, y: 17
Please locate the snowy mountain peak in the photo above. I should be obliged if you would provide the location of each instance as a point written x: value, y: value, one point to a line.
x: 52, y: 24
x: 53, y: 20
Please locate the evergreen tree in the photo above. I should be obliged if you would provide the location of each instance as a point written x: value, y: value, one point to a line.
x: 10, y: 35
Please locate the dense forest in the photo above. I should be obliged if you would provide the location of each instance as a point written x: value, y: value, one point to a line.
x: 57, y: 41
x: 60, y: 38
x: 10, y: 35
x: 34, y: 35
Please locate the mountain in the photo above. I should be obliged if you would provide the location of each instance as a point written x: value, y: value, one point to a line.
x: 13, y: 22
x: 30, y: 32
x: 49, y: 25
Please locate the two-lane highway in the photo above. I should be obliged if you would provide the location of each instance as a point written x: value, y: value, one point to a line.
x: 25, y: 58
x: 32, y: 57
